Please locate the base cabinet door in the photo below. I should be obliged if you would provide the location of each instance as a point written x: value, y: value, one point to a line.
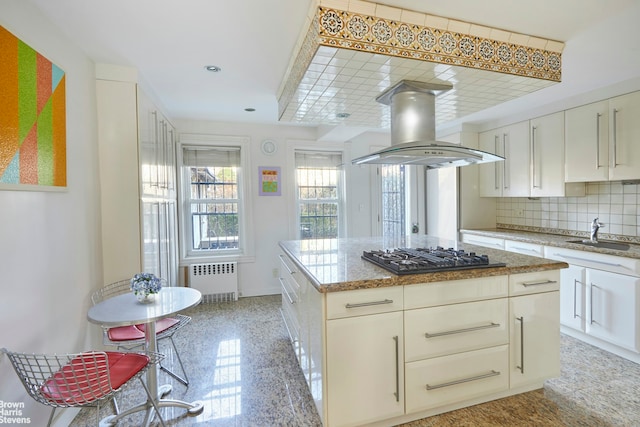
x: 365, y: 377
x: 535, y: 338
x: 572, y: 297
x: 612, y: 302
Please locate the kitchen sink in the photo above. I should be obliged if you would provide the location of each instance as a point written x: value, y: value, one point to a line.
x: 606, y: 244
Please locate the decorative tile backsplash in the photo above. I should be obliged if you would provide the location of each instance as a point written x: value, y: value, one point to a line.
x: 615, y: 204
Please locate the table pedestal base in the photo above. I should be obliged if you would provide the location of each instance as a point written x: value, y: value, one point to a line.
x: 192, y: 408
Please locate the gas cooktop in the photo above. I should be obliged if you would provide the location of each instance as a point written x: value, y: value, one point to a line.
x: 427, y: 260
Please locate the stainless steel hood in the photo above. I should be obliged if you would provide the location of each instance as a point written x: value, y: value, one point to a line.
x: 413, y: 131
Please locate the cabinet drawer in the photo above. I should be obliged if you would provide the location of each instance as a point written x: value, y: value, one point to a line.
x: 437, y: 331
x: 535, y: 282
x: 489, y: 242
x: 611, y: 263
x: 450, y: 379
x: 288, y: 269
x: 364, y: 301
x: 290, y: 318
x: 455, y: 291
x: 524, y: 248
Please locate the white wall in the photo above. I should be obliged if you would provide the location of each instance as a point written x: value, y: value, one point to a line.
x: 272, y: 216
x: 49, y: 244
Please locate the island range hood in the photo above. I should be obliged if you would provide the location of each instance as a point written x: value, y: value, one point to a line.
x: 413, y: 131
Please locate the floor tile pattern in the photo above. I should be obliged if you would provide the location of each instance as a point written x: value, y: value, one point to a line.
x: 242, y: 367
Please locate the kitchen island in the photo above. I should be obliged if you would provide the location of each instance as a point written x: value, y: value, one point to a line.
x: 378, y: 348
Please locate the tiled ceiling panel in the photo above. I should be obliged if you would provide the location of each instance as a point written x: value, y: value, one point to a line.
x: 347, y: 58
x: 341, y: 81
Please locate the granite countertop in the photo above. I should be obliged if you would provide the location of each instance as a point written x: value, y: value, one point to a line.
x: 556, y: 240
x: 333, y: 265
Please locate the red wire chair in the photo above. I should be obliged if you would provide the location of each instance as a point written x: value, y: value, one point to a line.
x: 130, y: 337
x: 81, y: 379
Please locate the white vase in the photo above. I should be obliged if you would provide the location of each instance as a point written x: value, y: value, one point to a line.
x: 145, y: 298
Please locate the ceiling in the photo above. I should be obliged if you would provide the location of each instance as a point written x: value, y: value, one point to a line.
x: 253, y: 42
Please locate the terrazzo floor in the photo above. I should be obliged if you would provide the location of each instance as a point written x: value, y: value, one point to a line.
x: 242, y: 367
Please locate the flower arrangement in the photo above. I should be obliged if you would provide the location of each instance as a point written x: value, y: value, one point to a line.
x: 144, y: 284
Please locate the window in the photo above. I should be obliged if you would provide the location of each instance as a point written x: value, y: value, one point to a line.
x: 393, y: 216
x: 318, y: 194
x: 212, y: 195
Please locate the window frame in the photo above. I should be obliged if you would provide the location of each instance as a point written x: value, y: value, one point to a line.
x: 292, y: 193
x: 245, y: 242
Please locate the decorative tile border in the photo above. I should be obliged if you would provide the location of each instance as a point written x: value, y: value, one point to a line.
x: 372, y: 34
x: 439, y: 40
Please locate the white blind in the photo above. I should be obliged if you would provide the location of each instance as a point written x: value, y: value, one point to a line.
x: 211, y: 156
x: 318, y: 159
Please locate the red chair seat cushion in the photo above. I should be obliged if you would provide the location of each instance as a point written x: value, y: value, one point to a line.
x: 86, y: 379
x: 161, y: 325
x: 125, y: 333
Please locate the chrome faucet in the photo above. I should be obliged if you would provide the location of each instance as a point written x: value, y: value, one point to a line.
x: 595, y: 226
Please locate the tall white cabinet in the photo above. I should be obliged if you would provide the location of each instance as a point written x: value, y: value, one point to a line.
x: 138, y: 183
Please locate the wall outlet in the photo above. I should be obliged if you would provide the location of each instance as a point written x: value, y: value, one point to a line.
x: 275, y: 272
x: 518, y: 213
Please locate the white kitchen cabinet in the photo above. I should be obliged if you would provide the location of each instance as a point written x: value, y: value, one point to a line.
x: 572, y: 297
x: 587, y: 143
x: 612, y: 307
x: 624, y: 134
x: 508, y: 178
x: 139, y: 223
x: 547, y: 156
x: 600, y: 299
x: 524, y: 248
x: 365, y: 369
x: 302, y: 312
x: 489, y: 242
x: 601, y: 140
x: 535, y: 338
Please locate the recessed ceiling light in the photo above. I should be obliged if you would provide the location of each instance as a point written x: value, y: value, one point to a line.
x: 250, y: 110
x: 213, y: 68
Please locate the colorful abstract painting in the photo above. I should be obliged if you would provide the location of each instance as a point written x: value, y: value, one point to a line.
x: 32, y: 118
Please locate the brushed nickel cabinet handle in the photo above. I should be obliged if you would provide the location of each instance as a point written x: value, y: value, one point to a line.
x: 591, y: 319
x: 286, y: 266
x: 615, y: 137
x: 490, y: 374
x: 284, y: 289
x: 575, y: 298
x: 598, y: 115
x: 460, y: 331
x: 365, y: 304
x: 495, y: 164
x: 397, y: 393
x: 533, y: 156
x: 521, y: 367
x: 504, y: 164
x: 545, y: 282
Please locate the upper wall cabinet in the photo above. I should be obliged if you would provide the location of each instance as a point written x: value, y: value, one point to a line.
x: 509, y: 178
x: 601, y: 140
x: 547, y: 156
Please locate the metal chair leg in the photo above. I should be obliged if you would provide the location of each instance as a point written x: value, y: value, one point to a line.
x: 184, y: 380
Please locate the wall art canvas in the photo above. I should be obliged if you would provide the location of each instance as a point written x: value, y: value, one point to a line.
x: 32, y: 118
x: 269, y: 181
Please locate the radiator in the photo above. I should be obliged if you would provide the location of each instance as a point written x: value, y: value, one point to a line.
x: 218, y: 282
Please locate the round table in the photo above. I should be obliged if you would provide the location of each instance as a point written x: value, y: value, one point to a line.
x: 124, y: 310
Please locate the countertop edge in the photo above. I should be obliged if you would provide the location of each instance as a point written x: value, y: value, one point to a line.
x: 412, y: 279
x: 550, y: 239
